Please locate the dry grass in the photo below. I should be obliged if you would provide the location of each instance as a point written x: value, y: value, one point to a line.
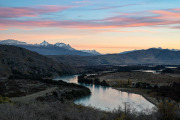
x: 139, y: 77
x: 67, y: 111
x: 51, y: 111
x: 119, y: 83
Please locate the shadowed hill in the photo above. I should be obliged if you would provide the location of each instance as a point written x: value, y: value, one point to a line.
x: 149, y: 56
x: 20, y: 62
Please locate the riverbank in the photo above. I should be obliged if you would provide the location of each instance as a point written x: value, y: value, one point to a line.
x: 136, y: 91
x: 153, y: 98
x: 49, y: 100
x: 30, y: 91
x: 155, y: 88
x: 45, y: 104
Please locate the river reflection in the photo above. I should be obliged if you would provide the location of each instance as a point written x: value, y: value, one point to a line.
x: 108, y: 99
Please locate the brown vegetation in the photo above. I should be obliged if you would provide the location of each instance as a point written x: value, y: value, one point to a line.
x: 69, y: 111
x: 116, y: 78
x: 167, y: 111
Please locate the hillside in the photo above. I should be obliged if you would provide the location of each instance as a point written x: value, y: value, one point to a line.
x: 149, y: 56
x: 20, y: 62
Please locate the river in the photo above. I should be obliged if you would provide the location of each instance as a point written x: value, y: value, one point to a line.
x: 107, y: 98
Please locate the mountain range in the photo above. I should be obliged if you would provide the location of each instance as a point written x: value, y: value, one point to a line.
x: 64, y: 53
x: 156, y: 56
x: 45, y: 48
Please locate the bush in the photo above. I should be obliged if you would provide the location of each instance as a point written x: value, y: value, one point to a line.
x: 97, y: 81
x: 104, y: 83
x: 4, y: 100
x: 166, y: 111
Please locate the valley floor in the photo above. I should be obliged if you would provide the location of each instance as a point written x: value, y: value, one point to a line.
x: 48, y: 100
x: 154, y: 87
x: 45, y: 99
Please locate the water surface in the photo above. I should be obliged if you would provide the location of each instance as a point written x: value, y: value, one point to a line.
x: 108, y: 99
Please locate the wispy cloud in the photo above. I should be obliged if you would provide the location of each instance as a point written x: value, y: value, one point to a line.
x: 113, y: 7
x: 176, y: 9
x: 14, y: 12
x: 123, y: 31
x: 83, y: 1
x: 154, y: 18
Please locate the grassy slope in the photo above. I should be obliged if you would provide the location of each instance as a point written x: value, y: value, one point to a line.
x: 19, y: 61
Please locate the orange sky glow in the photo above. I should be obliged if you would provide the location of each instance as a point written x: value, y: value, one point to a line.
x: 108, y: 27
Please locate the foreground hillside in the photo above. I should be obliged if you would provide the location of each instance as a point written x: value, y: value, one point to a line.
x: 20, y: 62
x: 149, y: 56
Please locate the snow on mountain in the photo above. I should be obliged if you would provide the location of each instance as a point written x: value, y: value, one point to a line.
x: 94, y: 52
x: 50, y: 48
x: 12, y: 42
x: 44, y: 43
x: 63, y: 45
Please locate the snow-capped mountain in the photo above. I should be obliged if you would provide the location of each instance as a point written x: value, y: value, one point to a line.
x: 46, y: 48
x: 67, y: 46
x: 44, y: 43
x: 94, y: 52
x: 61, y: 45
x: 12, y: 42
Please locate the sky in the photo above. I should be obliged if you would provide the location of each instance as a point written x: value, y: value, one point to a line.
x: 108, y: 26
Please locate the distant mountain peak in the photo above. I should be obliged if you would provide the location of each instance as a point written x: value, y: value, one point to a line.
x: 154, y: 48
x: 44, y: 43
x: 94, y: 52
x: 67, y: 46
x: 12, y: 42
x: 46, y: 48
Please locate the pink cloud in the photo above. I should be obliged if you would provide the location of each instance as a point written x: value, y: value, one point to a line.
x: 166, y: 14
x: 7, y: 12
x: 159, y: 17
x: 112, y: 7
x: 156, y: 18
x: 121, y: 31
x: 176, y: 9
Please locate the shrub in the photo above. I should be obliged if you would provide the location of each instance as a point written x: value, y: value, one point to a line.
x: 4, y: 100
x: 166, y: 111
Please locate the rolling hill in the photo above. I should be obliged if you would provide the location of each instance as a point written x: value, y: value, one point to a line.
x: 20, y: 62
x: 149, y: 56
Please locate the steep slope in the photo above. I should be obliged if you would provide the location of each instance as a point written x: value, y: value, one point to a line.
x: 20, y: 62
x: 149, y: 56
